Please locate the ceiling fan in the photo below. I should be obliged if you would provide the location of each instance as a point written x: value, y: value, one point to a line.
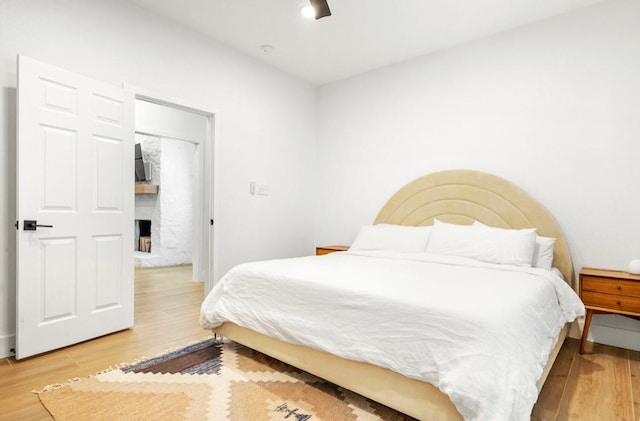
x: 321, y: 8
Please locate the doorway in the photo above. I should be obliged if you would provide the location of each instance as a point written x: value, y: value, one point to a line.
x: 180, y: 129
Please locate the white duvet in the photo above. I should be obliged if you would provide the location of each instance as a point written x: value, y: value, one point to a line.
x: 480, y: 332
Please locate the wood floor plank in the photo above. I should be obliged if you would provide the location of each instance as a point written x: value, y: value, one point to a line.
x: 599, y: 386
x: 634, y: 365
x: 16, y: 385
x: 550, y: 398
x: 4, y: 365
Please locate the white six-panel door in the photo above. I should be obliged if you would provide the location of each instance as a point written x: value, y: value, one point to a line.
x: 75, y: 173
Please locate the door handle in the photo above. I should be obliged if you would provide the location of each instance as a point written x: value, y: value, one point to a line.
x: 33, y: 225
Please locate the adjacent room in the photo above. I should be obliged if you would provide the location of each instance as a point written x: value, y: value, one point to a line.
x: 233, y: 145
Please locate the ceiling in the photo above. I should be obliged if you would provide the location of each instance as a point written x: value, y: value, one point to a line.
x: 360, y: 36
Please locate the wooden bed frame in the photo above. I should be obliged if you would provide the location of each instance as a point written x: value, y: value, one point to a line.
x: 457, y: 196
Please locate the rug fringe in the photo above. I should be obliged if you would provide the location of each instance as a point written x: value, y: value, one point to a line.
x: 56, y: 386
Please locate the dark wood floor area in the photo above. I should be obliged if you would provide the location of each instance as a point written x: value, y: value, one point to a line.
x: 602, y: 385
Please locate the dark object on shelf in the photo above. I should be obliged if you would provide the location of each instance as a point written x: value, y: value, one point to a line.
x: 140, y: 172
x: 145, y: 227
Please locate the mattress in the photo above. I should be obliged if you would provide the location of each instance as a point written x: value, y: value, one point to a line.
x: 479, y: 332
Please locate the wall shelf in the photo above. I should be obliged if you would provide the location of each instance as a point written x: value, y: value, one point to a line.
x: 146, y: 189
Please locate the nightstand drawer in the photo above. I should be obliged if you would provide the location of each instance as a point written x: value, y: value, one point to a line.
x: 611, y: 286
x: 609, y: 301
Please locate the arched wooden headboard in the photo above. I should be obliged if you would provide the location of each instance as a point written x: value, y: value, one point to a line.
x: 464, y: 196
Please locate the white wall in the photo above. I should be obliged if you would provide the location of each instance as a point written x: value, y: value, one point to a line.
x: 265, y: 119
x: 554, y: 107
x: 170, y: 122
x: 171, y: 210
x: 176, y: 200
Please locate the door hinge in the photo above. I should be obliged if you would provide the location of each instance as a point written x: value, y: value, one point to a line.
x: 211, y: 222
x: 17, y: 224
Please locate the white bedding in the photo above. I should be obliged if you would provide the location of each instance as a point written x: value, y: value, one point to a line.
x: 479, y: 332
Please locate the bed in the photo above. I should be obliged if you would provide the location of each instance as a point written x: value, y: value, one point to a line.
x: 440, y: 200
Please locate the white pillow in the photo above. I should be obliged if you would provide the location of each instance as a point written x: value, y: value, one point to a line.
x: 453, y: 239
x: 480, y: 242
x: 392, y: 238
x: 542, y: 251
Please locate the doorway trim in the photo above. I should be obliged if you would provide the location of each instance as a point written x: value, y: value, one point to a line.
x: 206, y: 236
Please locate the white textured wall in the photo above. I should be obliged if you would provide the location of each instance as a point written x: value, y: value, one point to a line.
x: 176, y: 201
x: 171, y: 210
x: 554, y: 107
x: 265, y: 119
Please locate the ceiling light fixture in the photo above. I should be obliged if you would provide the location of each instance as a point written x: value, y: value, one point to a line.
x: 317, y: 9
x: 308, y: 12
x: 322, y: 8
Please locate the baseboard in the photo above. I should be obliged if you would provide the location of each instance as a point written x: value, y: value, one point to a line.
x: 619, y: 331
x: 7, y: 343
x: 609, y: 329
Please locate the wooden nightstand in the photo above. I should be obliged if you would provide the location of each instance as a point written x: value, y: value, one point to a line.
x: 608, y: 291
x: 330, y: 249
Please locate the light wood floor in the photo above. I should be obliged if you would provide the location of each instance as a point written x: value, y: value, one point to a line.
x: 600, y: 386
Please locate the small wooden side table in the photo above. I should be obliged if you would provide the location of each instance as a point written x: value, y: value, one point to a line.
x: 330, y: 249
x: 608, y: 291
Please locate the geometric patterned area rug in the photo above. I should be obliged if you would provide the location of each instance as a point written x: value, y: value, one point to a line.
x: 210, y: 381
